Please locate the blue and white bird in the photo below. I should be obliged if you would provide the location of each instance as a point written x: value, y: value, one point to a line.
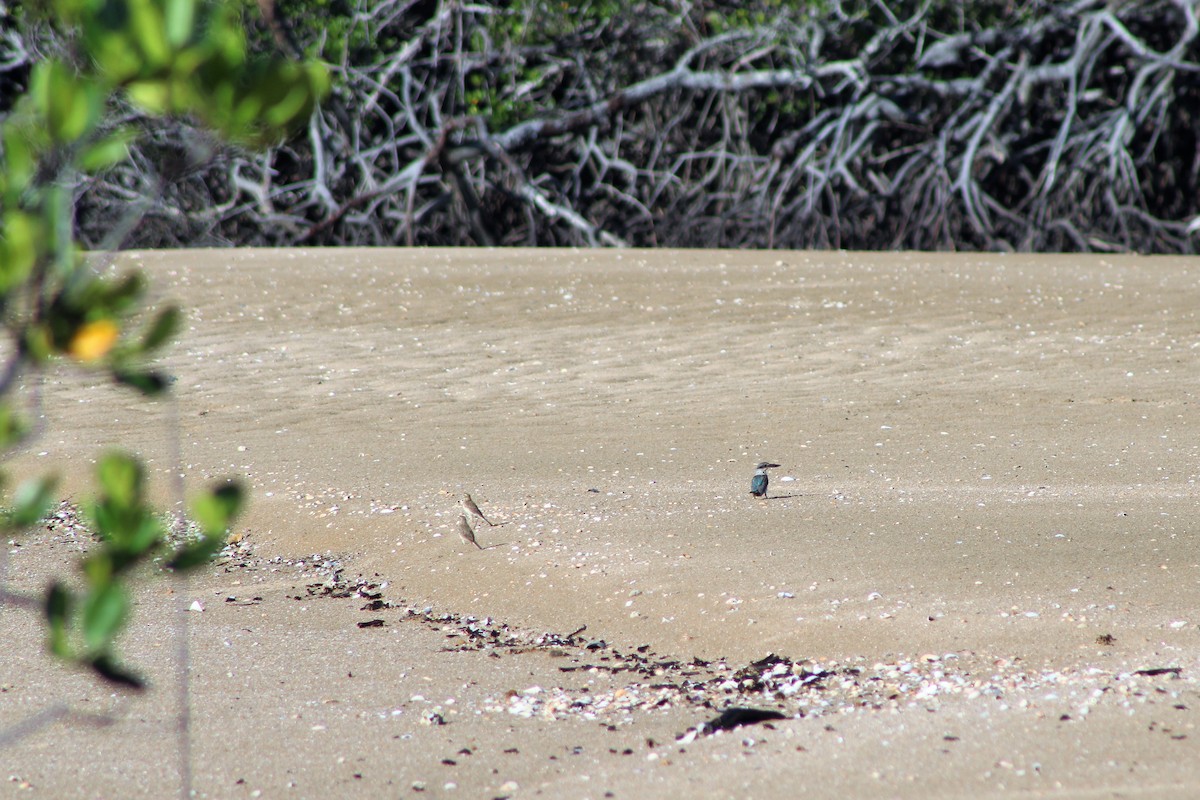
x: 758, y: 484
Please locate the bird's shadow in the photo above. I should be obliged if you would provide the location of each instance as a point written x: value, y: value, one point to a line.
x: 494, y: 546
x: 782, y: 496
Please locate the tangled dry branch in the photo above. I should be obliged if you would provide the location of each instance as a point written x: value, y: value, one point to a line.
x: 1066, y: 127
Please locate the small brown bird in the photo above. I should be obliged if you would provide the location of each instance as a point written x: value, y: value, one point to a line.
x: 471, y: 509
x: 465, y: 533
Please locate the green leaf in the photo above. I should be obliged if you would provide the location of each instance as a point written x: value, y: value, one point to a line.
x: 19, y: 248
x: 120, y: 479
x: 181, y: 15
x: 187, y: 61
x: 19, y: 161
x: 57, y: 610
x: 286, y: 93
x: 116, y: 56
x: 153, y: 96
x: 12, y: 427
x: 107, y: 152
x: 106, y: 518
x: 70, y: 104
x: 100, y: 566
x: 214, y: 512
x: 114, y: 559
x: 149, y: 32
x: 93, y: 296
x: 145, y: 536
x: 196, y: 553
x: 147, y: 382
x: 31, y: 501
x: 163, y: 329
x: 243, y: 121
x: 38, y: 343
x: 40, y: 80
x: 104, y: 613
x: 125, y: 292
x: 226, y: 36
x: 318, y: 79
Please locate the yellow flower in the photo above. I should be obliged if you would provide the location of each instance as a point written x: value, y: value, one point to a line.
x: 93, y: 340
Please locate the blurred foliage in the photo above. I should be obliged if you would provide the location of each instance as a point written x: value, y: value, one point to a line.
x: 186, y: 58
x: 84, y: 625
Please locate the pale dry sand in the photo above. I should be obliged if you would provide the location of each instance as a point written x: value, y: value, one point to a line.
x: 992, y: 458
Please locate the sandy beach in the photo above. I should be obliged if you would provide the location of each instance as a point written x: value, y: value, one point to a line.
x: 977, y: 569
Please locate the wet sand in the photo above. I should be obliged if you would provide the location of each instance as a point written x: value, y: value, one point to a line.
x: 988, y: 467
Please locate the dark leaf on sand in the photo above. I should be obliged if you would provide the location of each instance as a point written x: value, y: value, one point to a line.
x: 107, y: 668
x: 732, y: 718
